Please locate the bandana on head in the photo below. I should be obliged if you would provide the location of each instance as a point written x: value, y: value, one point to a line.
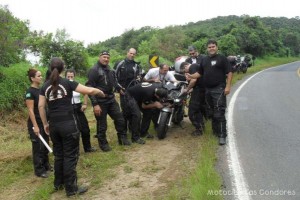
x: 104, y: 53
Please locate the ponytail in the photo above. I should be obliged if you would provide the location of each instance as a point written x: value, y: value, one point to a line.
x: 56, y: 67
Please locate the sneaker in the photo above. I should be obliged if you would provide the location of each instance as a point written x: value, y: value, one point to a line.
x: 139, y: 141
x: 80, y: 191
x: 222, y: 141
x: 90, y: 150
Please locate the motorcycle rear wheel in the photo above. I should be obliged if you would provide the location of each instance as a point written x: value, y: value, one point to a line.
x: 162, y: 126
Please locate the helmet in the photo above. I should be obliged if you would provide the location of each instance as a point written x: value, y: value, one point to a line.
x: 178, y: 62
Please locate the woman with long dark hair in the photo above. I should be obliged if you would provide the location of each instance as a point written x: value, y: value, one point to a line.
x: 62, y: 125
x: 35, y: 126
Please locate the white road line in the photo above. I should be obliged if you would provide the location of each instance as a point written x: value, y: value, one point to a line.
x: 239, y: 184
x: 238, y: 181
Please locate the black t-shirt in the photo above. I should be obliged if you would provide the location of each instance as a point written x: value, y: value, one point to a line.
x: 33, y: 94
x: 193, y: 69
x: 144, y: 92
x: 214, y: 70
x: 62, y: 104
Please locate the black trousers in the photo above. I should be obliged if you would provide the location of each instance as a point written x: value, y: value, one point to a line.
x: 83, y: 126
x: 113, y: 110
x: 39, y: 151
x: 132, y: 115
x: 65, y: 135
x: 216, y: 102
x: 148, y: 115
x: 197, y: 108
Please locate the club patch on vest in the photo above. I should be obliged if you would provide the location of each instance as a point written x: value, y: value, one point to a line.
x: 146, y: 84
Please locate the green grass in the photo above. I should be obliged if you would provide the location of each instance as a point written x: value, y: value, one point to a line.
x: 204, y: 177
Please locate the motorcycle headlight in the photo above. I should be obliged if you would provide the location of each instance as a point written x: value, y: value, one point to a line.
x: 176, y: 100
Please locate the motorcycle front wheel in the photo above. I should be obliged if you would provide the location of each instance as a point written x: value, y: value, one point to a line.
x: 162, y: 126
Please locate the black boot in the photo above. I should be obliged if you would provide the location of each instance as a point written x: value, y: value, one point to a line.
x: 222, y: 141
x: 87, y: 144
x: 138, y: 141
x: 197, y: 132
x: 90, y: 150
x: 80, y: 190
x: 122, y: 139
x: 105, y: 147
x: 103, y: 144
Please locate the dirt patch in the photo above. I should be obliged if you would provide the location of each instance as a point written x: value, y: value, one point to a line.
x: 149, y: 170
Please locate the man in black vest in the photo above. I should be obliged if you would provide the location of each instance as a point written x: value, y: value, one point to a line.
x: 143, y: 96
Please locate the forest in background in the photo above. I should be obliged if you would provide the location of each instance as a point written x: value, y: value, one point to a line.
x: 256, y: 36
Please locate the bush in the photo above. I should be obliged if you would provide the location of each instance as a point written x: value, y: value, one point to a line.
x: 13, y: 85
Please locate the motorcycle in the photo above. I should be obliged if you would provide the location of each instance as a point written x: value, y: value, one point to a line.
x: 173, y: 110
x: 241, y: 67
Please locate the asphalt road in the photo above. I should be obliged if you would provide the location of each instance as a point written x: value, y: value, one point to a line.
x: 262, y: 157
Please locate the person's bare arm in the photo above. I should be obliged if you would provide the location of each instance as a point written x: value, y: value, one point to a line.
x: 30, y: 106
x: 193, y: 76
x: 42, y: 111
x: 228, y: 83
x: 155, y: 104
x: 89, y: 90
x: 85, y: 102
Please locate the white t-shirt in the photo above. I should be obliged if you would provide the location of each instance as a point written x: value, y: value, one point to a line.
x: 76, y: 98
x: 154, y: 74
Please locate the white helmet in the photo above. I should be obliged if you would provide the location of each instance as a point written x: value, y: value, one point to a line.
x: 178, y: 62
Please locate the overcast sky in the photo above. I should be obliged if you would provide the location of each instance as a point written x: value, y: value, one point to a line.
x: 92, y: 21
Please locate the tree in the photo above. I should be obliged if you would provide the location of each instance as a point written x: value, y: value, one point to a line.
x: 292, y: 41
x: 72, y: 52
x: 12, y: 34
x: 172, y: 42
x: 228, y: 45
